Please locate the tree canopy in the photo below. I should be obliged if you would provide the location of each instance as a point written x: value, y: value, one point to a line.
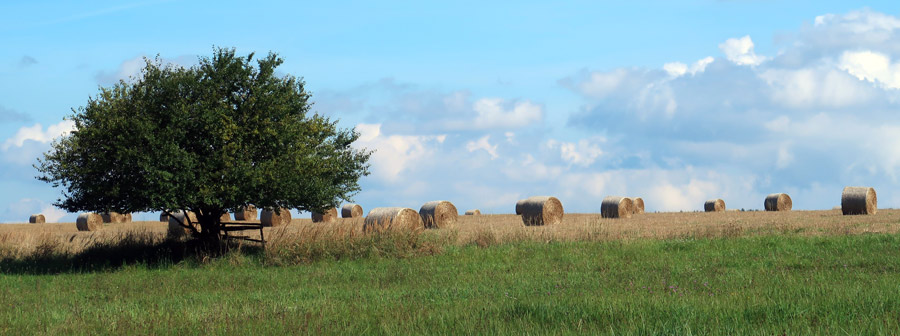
x: 211, y: 138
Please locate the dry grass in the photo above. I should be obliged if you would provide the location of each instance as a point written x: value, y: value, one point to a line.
x: 345, y: 236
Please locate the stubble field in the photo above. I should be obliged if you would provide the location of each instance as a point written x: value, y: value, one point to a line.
x: 732, y: 272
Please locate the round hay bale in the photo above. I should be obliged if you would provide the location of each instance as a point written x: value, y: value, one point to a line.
x: 542, y: 210
x: 859, y: 201
x: 271, y: 218
x: 329, y: 216
x: 225, y: 217
x: 128, y: 218
x: 89, y: 222
x: 714, y: 205
x: 638, y: 205
x: 616, y: 207
x: 393, y: 218
x: 37, y: 219
x: 778, y: 202
x: 473, y: 212
x: 175, y: 230
x: 519, y: 204
x: 163, y: 217
x: 247, y: 213
x: 351, y: 210
x: 113, y: 217
x: 438, y: 214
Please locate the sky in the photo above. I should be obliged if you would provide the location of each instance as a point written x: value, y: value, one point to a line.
x: 483, y: 104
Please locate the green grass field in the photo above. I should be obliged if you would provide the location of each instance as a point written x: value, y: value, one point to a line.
x: 740, y: 285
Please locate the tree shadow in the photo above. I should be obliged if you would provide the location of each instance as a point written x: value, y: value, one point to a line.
x: 128, y: 252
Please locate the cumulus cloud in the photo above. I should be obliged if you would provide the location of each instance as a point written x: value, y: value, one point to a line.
x: 493, y: 114
x: 484, y: 144
x: 39, y: 134
x: 582, y: 153
x: 395, y: 154
x: 740, y: 51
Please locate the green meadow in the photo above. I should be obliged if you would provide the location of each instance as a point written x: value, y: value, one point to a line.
x: 774, y: 284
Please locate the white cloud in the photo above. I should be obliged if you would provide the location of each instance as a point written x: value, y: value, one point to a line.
x: 395, y: 154
x: 740, y: 51
x: 130, y: 69
x: 816, y: 87
x: 859, y: 22
x: 53, y: 214
x: 677, y: 69
x: 582, y: 153
x: 491, y: 113
x: 871, y: 66
x: 37, y: 133
x: 483, y: 143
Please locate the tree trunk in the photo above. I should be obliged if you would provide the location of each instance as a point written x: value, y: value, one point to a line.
x: 210, y: 228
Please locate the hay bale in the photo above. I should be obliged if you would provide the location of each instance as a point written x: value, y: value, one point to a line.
x: 115, y: 217
x: 438, y: 214
x: 859, y: 201
x: 175, y: 230
x: 393, y: 218
x: 473, y: 212
x: 225, y: 217
x: 37, y: 219
x: 616, y: 207
x: 351, y: 210
x: 541, y: 210
x: 778, y: 202
x: 638, y: 205
x: 246, y: 213
x: 89, y: 222
x: 271, y: 218
x: 519, y: 204
x: 714, y: 205
x: 163, y: 217
x: 329, y: 216
x: 128, y: 218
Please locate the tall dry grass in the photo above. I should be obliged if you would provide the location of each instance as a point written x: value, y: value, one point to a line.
x: 303, y: 241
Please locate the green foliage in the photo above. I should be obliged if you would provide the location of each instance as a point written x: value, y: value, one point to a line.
x: 210, y: 138
x: 757, y: 285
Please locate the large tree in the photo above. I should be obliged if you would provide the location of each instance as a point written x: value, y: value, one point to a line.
x: 212, y: 138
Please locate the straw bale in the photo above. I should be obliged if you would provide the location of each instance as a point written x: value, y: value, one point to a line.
x: 271, y: 218
x: 115, y: 217
x: 175, y: 230
x: 329, y: 216
x: 163, y: 217
x: 859, y: 201
x: 393, y: 218
x: 473, y: 212
x: 438, y: 214
x: 351, y: 210
x: 541, y: 210
x: 37, y: 219
x: 778, y: 202
x: 714, y: 205
x: 226, y: 217
x: 89, y: 222
x: 519, y: 204
x: 616, y: 207
x: 247, y: 213
x: 638, y: 205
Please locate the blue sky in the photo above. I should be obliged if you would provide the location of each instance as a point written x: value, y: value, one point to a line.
x: 483, y: 104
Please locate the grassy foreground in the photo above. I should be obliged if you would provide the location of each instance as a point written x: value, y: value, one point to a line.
x: 745, y: 285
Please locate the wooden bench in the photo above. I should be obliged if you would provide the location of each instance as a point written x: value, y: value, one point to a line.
x: 231, y: 226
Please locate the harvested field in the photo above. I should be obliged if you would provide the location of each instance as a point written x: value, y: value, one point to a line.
x: 21, y: 238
